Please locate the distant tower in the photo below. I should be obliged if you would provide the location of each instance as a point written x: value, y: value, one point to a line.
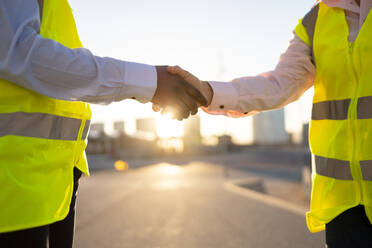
x: 269, y: 128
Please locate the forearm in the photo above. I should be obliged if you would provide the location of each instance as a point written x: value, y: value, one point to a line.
x: 49, y: 68
x: 245, y: 96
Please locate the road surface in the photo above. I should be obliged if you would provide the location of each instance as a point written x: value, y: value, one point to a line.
x: 186, y: 206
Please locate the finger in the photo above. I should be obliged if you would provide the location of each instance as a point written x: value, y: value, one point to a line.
x: 196, y: 94
x: 178, y: 110
x: 194, y: 112
x: 156, y: 107
x: 190, y: 102
x: 191, y: 83
x: 187, y: 76
x: 174, y: 112
x: 181, y: 111
x: 179, y: 71
x: 186, y: 114
x: 190, y: 96
x: 173, y: 69
x: 165, y: 111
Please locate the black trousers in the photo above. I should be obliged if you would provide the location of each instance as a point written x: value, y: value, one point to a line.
x: 60, y: 234
x: 350, y: 229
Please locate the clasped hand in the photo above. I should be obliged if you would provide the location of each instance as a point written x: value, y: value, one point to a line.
x: 179, y: 93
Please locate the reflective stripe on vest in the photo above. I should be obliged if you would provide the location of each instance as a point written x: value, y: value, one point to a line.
x: 366, y: 167
x: 86, y: 130
x: 331, y: 110
x: 309, y: 21
x: 364, y: 108
x: 338, y: 109
x: 40, y: 125
x: 340, y: 169
x: 334, y: 168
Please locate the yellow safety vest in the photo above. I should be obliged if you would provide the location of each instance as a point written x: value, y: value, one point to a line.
x: 41, y: 140
x: 341, y: 125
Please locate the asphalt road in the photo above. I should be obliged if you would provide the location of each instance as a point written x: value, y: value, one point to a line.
x: 189, y: 206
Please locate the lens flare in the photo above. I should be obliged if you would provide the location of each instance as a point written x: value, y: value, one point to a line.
x: 120, y: 165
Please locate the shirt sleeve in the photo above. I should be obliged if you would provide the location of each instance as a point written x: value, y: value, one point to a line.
x: 293, y: 75
x: 49, y: 68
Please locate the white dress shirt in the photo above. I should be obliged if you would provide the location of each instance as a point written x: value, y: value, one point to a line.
x: 47, y: 67
x: 293, y: 75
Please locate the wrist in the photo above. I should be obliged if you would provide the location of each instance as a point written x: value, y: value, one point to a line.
x: 208, y: 92
x: 160, y: 70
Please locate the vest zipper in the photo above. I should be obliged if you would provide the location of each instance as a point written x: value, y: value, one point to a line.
x: 352, y: 115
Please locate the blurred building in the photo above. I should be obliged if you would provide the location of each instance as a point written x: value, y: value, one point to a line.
x: 269, y: 128
x: 118, y: 139
x: 146, y: 125
x: 192, y: 139
x: 305, y: 134
x: 99, y: 142
x: 140, y: 145
x: 97, y: 128
x: 225, y: 143
x: 119, y: 128
x: 121, y: 146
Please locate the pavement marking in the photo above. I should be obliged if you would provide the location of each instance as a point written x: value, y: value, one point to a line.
x: 270, y: 200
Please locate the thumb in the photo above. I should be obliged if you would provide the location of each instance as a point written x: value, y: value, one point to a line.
x: 201, y: 90
x: 187, y: 76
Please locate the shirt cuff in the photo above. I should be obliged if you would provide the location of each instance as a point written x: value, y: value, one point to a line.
x: 225, y: 97
x: 140, y: 82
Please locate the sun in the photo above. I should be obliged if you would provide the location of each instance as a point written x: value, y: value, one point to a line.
x: 168, y: 128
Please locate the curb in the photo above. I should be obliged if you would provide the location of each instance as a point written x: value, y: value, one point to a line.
x: 248, y: 188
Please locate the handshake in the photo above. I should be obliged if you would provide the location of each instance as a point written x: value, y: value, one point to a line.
x: 179, y: 93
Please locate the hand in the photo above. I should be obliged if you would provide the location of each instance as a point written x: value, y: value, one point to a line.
x: 203, y: 86
x: 175, y: 95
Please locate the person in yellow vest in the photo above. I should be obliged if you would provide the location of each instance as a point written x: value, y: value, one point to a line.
x: 332, y: 51
x: 46, y: 82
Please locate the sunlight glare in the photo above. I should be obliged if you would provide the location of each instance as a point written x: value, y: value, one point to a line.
x: 169, y: 169
x: 167, y: 128
x: 167, y: 185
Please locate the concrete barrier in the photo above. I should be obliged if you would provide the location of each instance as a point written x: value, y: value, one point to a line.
x: 252, y: 183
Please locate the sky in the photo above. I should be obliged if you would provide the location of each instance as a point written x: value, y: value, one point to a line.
x: 216, y: 40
